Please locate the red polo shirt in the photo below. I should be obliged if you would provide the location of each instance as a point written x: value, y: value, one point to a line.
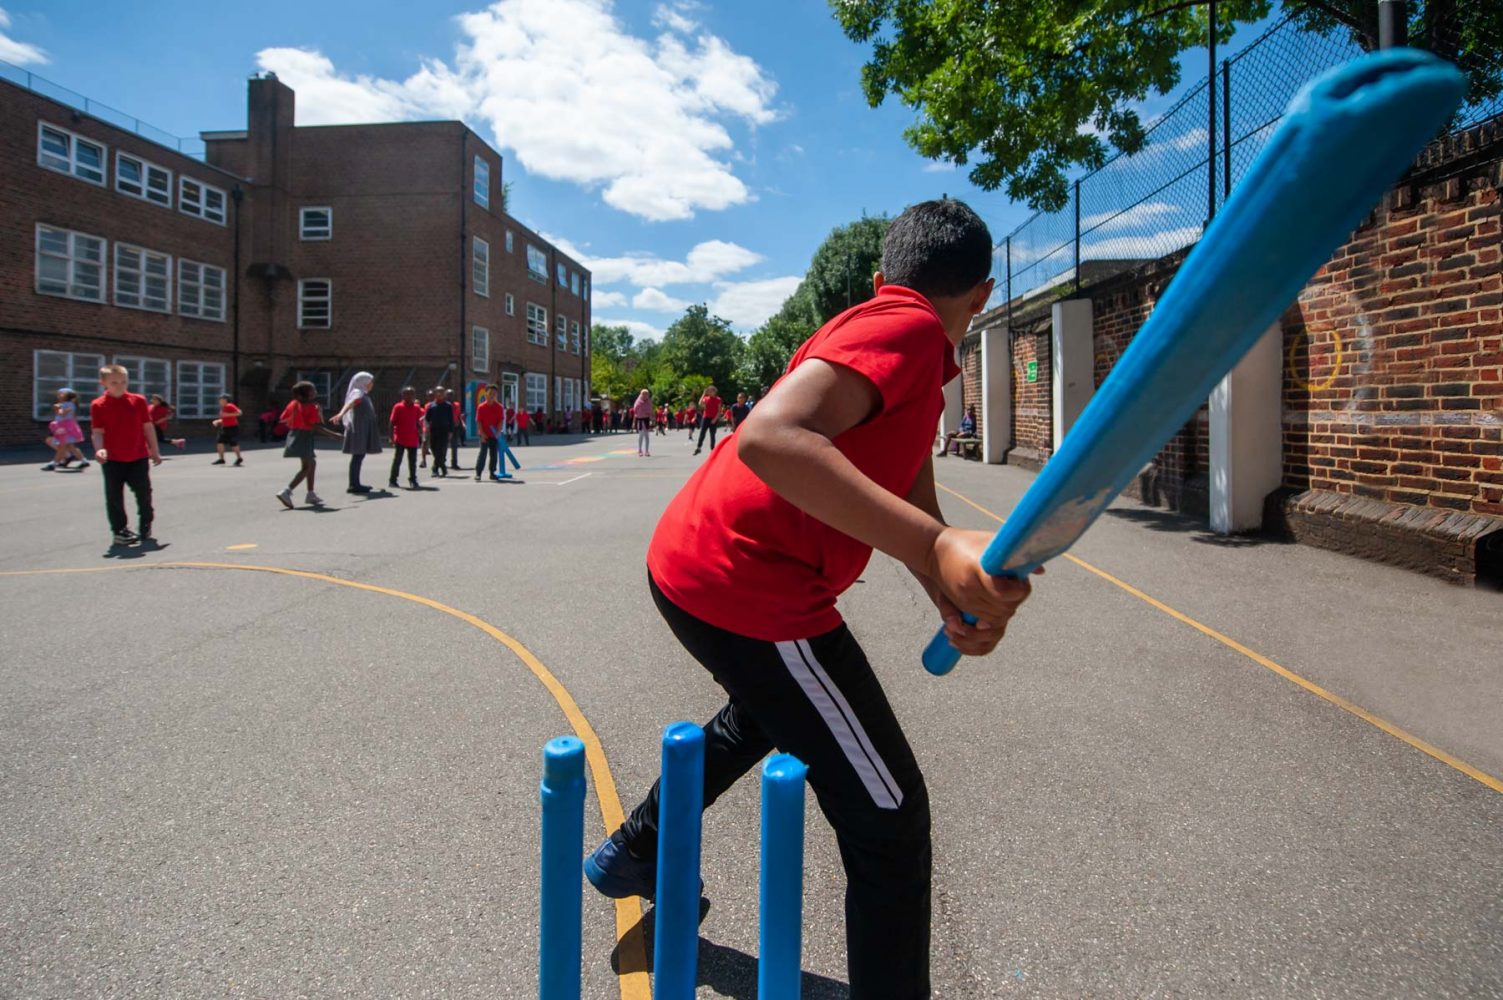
x: 406, y: 420
x: 123, y: 420
x: 229, y: 415
x: 488, y: 417
x: 733, y: 553
x: 301, y: 416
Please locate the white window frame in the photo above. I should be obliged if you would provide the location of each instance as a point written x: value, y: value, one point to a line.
x: 558, y: 392
x: 139, y: 273
x: 73, y: 262
x: 69, y: 164
x: 574, y: 282
x: 193, y: 290
x: 563, y: 276
x: 510, y: 245
x: 145, y: 190
x: 584, y: 339
x: 574, y: 336
x: 482, y: 188
x: 480, y: 349
x: 586, y: 294
x: 538, y: 274
x: 312, y: 233
x: 536, y: 387
x: 304, y: 300
x: 537, y: 324
x: 480, y: 267
x: 82, y: 372
x: 199, y: 207
x: 511, y: 393
x: 511, y: 305
x: 206, y: 406
x: 569, y: 394
x: 561, y: 326
x: 140, y: 382
x: 323, y: 383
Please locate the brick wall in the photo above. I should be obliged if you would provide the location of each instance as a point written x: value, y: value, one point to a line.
x: 970, y: 382
x: 1032, y: 412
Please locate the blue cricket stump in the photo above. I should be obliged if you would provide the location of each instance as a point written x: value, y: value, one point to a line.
x: 675, y: 951
x: 504, y: 452
x: 563, y: 793
x: 780, y: 965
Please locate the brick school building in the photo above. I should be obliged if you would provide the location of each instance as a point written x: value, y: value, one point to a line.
x: 283, y: 253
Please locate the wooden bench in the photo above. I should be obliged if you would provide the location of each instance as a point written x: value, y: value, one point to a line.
x: 970, y: 447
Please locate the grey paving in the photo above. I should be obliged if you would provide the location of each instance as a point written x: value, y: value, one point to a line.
x: 215, y: 783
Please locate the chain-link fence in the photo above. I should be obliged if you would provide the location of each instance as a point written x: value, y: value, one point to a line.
x: 1140, y: 208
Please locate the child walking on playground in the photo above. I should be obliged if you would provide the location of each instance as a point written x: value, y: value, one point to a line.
x: 125, y: 445
x: 406, y: 435
x: 229, y: 431
x: 748, y: 559
x: 305, y: 420
x: 63, y: 432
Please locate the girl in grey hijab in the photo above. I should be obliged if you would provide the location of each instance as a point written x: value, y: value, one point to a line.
x: 361, y: 435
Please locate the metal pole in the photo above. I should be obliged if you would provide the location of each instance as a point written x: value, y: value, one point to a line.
x: 1393, y: 24
x: 1008, y: 243
x: 1226, y: 129
x: 563, y: 793
x: 675, y: 953
x: 1077, y: 237
x: 779, y: 968
x: 1211, y: 113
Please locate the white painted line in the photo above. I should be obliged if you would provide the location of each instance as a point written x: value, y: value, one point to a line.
x: 576, y: 479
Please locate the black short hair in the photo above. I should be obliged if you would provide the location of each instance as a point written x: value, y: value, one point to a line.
x: 937, y: 248
x: 304, y: 391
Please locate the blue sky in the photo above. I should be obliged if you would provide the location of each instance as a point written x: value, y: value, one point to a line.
x: 688, y: 151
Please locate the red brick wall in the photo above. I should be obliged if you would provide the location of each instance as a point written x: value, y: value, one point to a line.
x: 970, y: 382
x: 1032, y: 413
x: 1393, y: 386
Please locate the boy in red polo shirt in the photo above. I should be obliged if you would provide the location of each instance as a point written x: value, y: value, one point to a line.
x: 125, y: 440
x: 709, y: 408
x: 748, y: 559
x: 490, y: 417
x: 229, y: 430
x: 406, y: 436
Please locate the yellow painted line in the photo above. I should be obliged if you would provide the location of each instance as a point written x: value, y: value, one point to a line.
x: 242, y: 547
x: 634, y: 985
x: 1335, y: 699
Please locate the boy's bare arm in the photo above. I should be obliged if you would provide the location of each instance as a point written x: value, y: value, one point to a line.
x: 150, y: 430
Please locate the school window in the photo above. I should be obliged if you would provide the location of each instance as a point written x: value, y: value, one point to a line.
x: 143, y: 279
x: 537, y: 325
x: 563, y: 333
x: 508, y: 241
x: 537, y: 392
x: 200, y: 200
x: 199, y: 386
x: 54, y: 370
x: 148, y: 375
x: 480, y: 349
x: 200, y: 290
x: 584, y: 396
x: 322, y: 384
x: 584, y: 340
x: 568, y: 394
x: 315, y: 223
x: 511, y: 308
x: 574, y: 282
x: 509, y: 390
x: 586, y: 284
x: 482, y: 183
x: 70, y: 264
x: 563, y: 276
x: 480, y: 267
x: 558, y: 390
x: 143, y: 179
x: 574, y: 337
x: 537, y: 264
x: 69, y: 153
x: 315, y: 304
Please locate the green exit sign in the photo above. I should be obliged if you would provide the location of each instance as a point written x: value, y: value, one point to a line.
x: 1033, y: 371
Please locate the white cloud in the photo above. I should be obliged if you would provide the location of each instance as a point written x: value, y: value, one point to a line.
x: 605, y: 300
x: 748, y: 304
x: 14, y: 52
x: 675, y: 17
x: 1139, y: 215
x: 706, y: 262
x: 939, y: 167
x: 1144, y: 247
x: 575, y: 97
x: 654, y: 300
x: 640, y: 330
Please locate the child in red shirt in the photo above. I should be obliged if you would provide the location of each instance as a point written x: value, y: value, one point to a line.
x: 124, y: 442
x: 304, y: 420
x: 490, y: 416
x: 709, y: 406
x: 161, y: 416
x: 748, y: 559
x: 229, y: 431
x: 406, y: 436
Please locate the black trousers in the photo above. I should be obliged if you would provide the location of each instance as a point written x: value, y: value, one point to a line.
x: 455, y: 440
x: 706, y: 425
x: 819, y: 700
x: 396, y: 461
x: 438, y: 440
x: 119, y: 475
x: 488, y: 447
x: 356, y: 461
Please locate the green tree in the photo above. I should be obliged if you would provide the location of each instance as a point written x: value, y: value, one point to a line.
x: 1027, y: 90
x: 840, y: 274
x: 699, y: 342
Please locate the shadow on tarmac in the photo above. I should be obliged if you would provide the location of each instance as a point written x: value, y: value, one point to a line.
x: 1166, y: 520
x: 134, y: 551
x: 730, y: 973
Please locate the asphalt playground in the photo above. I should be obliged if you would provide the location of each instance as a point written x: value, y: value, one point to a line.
x: 295, y: 753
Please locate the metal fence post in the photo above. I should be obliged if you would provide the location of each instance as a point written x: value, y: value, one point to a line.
x: 1393, y: 24
x: 1077, y: 237
x: 1008, y: 243
x: 1211, y: 112
x: 1226, y: 129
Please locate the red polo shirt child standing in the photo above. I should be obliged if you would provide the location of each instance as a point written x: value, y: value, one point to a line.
x: 490, y: 416
x: 406, y: 435
x: 125, y: 441
x: 749, y: 558
x: 228, y: 423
